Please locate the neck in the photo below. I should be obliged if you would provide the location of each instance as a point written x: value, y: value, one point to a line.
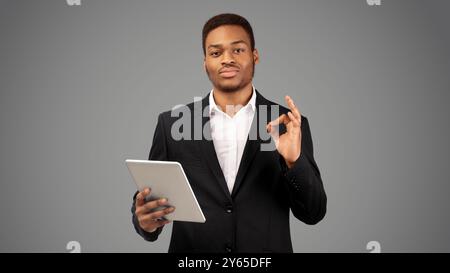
x: 234, y: 100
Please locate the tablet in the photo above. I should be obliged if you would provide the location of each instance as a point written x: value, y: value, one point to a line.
x: 167, y: 180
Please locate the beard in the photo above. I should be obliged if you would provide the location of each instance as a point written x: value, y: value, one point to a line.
x: 230, y: 88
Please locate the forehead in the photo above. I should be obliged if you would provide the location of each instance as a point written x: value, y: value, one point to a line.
x: 227, y: 34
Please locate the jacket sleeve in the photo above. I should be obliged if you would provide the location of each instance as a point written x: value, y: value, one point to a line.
x: 158, y: 151
x: 307, y: 197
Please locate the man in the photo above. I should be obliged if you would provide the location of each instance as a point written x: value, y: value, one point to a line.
x: 245, y: 191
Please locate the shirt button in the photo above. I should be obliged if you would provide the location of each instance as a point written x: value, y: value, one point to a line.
x: 228, y: 249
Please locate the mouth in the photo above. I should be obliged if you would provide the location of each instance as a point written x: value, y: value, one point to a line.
x: 228, y: 73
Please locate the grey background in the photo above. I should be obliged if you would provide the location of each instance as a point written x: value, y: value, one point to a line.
x: 81, y: 87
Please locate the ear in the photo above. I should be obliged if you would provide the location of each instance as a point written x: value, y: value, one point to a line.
x: 204, y: 64
x: 255, y: 56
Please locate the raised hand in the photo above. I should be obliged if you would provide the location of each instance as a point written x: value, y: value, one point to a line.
x: 289, y: 143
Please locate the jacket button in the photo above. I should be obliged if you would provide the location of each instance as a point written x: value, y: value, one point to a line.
x: 229, y: 209
x: 228, y: 249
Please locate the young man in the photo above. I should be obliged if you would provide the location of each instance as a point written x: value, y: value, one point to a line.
x: 245, y: 191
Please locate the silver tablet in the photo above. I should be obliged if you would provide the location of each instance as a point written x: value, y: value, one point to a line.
x: 167, y: 180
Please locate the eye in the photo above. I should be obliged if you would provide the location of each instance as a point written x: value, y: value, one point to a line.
x: 214, y: 53
x: 238, y: 50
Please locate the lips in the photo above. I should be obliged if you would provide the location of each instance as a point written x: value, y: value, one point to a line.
x: 228, y: 72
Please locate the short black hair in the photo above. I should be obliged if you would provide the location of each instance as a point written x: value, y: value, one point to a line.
x: 227, y: 19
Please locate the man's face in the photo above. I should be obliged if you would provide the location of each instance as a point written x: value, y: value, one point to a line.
x: 229, y: 60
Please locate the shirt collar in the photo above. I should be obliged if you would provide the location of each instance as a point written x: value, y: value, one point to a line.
x: 213, y: 106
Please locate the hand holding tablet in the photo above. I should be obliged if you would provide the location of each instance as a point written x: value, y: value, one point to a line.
x: 150, y: 215
x: 167, y: 180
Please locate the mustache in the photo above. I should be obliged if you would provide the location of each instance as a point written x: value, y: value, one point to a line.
x: 228, y: 67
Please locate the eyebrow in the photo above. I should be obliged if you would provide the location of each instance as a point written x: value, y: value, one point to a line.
x: 232, y: 43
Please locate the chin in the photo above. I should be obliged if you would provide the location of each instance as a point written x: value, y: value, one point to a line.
x: 229, y: 87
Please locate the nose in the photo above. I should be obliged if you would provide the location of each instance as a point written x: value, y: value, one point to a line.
x: 227, y: 58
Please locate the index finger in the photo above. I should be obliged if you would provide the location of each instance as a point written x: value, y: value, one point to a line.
x: 140, y: 198
x: 281, y: 119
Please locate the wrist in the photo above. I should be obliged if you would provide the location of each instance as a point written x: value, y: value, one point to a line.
x: 290, y: 163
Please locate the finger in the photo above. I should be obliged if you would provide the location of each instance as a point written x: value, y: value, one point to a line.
x: 140, y: 198
x: 281, y: 119
x: 293, y: 108
x: 161, y: 213
x: 162, y: 223
x: 151, y: 217
x: 147, y: 221
x: 294, y: 120
x: 156, y: 203
x: 274, y: 133
x: 156, y: 215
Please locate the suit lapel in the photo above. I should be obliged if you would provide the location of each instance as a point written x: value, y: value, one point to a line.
x: 253, y: 144
x: 206, y: 147
x: 251, y: 147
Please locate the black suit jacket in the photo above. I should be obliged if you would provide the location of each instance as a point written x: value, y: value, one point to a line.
x: 255, y: 216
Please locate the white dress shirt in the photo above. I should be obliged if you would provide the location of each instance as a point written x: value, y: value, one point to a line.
x: 229, y: 135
